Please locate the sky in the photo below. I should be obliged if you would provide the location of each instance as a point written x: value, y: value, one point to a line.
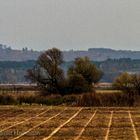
x: 70, y: 24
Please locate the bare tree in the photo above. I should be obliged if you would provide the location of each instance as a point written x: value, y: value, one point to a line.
x: 47, y: 72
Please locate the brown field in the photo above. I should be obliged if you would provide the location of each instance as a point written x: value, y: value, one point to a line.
x: 69, y: 123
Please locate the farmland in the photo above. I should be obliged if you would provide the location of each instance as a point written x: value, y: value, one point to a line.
x: 69, y: 123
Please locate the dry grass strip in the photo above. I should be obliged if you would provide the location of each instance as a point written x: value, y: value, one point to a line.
x: 109, y: 125
x: 24, y: 121
x: 37, y: 125
x: 80, y: 134
x: 58, y: 128
x: 133, y: 126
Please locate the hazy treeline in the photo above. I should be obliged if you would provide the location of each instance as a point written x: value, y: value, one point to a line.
x: 14, y: 72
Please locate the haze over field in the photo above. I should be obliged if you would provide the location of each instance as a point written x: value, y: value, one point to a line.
x: 72, y: 24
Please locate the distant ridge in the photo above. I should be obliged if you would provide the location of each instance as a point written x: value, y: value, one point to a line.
x: 9, y: 54
x: 96, y: 54
x: 102, y: 54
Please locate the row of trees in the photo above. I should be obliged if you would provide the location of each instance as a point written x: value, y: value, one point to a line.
x: 48, y: 74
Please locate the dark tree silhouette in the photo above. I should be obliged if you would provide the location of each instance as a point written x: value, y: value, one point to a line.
x: 47, y: 72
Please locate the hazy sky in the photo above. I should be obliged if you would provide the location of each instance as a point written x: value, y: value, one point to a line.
x: 70, y: 24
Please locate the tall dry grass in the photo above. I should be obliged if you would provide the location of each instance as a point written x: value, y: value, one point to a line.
x: 106, y: 99
x: 98, y: 99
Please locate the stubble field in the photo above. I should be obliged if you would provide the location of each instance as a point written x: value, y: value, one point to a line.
x: 69, y: 123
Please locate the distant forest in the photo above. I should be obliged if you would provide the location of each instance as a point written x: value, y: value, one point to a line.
x: 14, y: 72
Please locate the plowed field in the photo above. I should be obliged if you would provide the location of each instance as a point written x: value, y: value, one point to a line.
x: 69, y: 123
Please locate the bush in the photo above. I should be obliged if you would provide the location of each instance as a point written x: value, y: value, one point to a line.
x: 124, y: 83
x: 129, y: 83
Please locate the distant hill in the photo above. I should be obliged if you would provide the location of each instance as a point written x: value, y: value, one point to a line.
x: 102, y: 54
x: 8, y: 54
x: 96, y: 54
